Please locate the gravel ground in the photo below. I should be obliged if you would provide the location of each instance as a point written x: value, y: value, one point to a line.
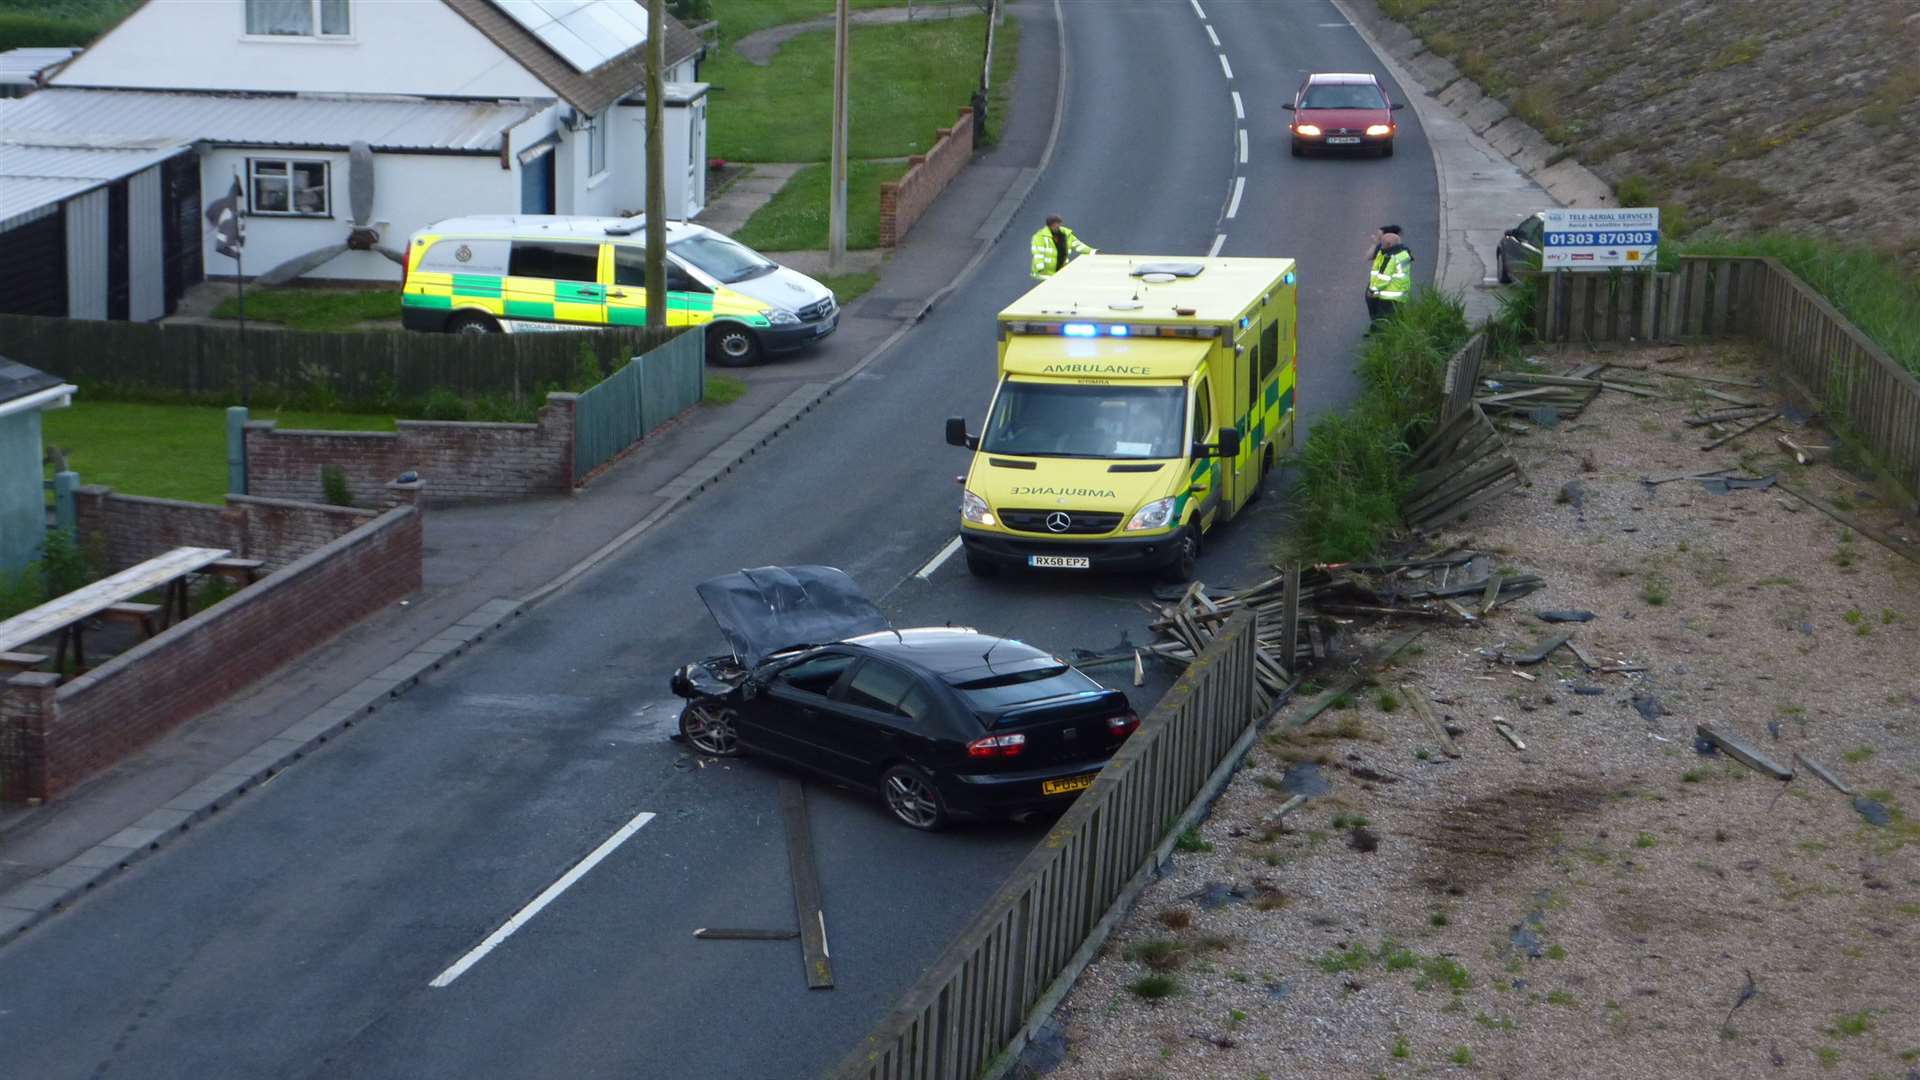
x: 1595, y: 904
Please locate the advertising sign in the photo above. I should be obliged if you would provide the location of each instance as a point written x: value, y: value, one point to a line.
x: 1606, y: 239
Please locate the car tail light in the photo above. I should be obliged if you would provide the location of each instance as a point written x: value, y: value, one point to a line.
x: 997, y: 746
x: 1123, y: 725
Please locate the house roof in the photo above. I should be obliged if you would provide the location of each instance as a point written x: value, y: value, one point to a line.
x: 17, y: 380
x: 41, y: 168
x: 19, y: 66
x: 548, y: 38
x: 309, y: 121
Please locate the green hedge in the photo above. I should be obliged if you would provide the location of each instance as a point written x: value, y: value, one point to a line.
x: 20, y: 30
x: 1352, y: 467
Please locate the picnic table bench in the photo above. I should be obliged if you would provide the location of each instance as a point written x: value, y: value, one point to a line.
x: 112, y: 598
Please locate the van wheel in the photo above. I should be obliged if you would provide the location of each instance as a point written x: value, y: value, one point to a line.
x: 1182, y: 568
x: 472, y: 322
x: 731, y: 345
x: 979, y: 566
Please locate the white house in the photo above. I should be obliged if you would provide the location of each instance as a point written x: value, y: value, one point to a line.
x: 468, y: 106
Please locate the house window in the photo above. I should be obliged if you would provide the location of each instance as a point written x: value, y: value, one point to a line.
x: 294, y: 188
x: 597, y: 145
x: 297, y: 18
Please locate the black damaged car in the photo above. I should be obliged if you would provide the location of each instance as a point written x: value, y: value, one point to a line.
x: 941, y: 722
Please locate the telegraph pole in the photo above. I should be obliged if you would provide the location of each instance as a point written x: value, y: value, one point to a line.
x: 656, y: 166
x: 837, y: 196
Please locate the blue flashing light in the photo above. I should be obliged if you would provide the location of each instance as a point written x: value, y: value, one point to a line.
x: 1079, y: 329
x: 1289, y: 278
x: 1116, y: 331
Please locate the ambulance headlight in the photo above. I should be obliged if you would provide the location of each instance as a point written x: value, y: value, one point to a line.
x: 974, y: 508
x: 781, y: 318
x: 1157, y: 514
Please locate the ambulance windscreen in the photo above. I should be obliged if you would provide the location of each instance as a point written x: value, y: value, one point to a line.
x: 1081, y: 421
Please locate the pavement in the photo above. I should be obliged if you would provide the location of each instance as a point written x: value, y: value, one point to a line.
x: 522, y: 713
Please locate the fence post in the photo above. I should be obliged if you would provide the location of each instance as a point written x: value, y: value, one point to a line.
x: 236, y: 449
x: 63, y: 509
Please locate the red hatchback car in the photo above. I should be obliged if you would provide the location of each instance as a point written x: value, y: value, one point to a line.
x: 1342, y: 111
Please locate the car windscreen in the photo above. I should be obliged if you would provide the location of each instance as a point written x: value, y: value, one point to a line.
x: 997, y: 693
x: 1037, y: 419
x: 724, y: 260
x: 1343, y: 96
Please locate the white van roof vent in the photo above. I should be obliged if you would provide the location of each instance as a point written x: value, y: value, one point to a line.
x: 1177, y: 269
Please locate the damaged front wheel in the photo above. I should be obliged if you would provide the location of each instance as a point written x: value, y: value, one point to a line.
x: 710, y: 727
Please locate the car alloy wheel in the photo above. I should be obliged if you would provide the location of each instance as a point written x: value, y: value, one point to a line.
x: 912, y: 798
x: 709, y: 728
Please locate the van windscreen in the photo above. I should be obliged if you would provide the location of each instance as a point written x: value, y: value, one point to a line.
x: 724, y: 260
x: 1038, y: 419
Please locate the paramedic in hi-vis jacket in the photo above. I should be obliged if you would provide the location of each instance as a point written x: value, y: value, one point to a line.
x: 1053, y: 245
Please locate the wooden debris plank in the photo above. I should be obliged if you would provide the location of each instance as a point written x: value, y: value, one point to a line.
x: 1544, y: 380
x: 1820, y: 771
x: 1492, y: 593
x: 1629, y: 388
x: 1139, y: 668
x: 1515, y: 395
x: 1460, y: 611
x: 1539, y: 652
x: 1462, y: 486
x: 1580, y: 654
x: 1853, y: 523
x: 1462, y: 509
x: 1744, y: 754
x: 1723, y: 415
x: 1721, y: 379
x: 1290, y: 806
x: 1755, y: 426
x: 1508, y: 734
x: 1728, y: 398
x: 1620, y: 669
x: 1655, y: 481
x: 1417, y: 698
x: 1317, y: 641
x: 1387, y: 612
x: 1353, y: 678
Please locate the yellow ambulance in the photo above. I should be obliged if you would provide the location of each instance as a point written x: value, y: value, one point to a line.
x: 530, y: 272
x: 1141, y: 401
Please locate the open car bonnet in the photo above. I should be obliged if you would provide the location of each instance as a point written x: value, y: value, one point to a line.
x: 772, y: 608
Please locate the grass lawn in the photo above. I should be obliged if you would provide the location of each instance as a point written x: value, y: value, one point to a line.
x: 908, y: 81
x: 738, y: 18
x: 315, y: 309
x: 796, y: 218
x: 723, y: 390
x: 167, y: 451
x: 850, y: 287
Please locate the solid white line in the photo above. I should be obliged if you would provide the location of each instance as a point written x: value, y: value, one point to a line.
x: 934, y: 563
x: 1213, y: 37
x: 1218, y: 240
x: 1243, y: 146
x: 533, y: 907
x: 1224, y: 66
x: 1197, y: 10
x: 1233, y: 204
x: 1239, y: 110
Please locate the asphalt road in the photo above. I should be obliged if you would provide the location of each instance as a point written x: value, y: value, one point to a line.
x: 298, y: 937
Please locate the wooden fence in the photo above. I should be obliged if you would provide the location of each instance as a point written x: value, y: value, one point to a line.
x: 635, y: 399
x: 1461, y: 378
x: 975, y: 999
x: 1815, y: 346
x: 379, y: 368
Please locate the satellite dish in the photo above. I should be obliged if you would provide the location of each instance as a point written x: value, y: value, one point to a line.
x: 1157, y: 279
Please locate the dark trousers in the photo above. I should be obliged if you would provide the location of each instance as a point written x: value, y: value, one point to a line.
x: 1378, y: 310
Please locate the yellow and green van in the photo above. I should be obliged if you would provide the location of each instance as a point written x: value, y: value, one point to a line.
x: 522, y: 273
x: 1141, y: 403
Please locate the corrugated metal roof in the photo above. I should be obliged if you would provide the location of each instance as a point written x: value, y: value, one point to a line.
x: 33, y: 176
x: 19, y: 66
x: 304, y: 120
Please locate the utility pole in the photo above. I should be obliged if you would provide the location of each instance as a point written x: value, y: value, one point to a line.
x: 656, y: 167
x: 837, y: 194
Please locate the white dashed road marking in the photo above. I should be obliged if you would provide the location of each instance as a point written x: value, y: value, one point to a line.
x: 1243, y: 146
x: 1226, y: 67
x: 1218, y: 240
x: 1197, y: 9
x: 938, y: 560
x: 1239, y: 186
x: 1239, y: 110
x: 1213, y: 37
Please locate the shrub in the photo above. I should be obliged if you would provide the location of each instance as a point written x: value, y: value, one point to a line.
x: 333, y: 486
x: 444, y: 404
x: 587, y: 372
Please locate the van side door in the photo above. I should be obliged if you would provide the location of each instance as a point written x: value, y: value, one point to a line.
x: 1206, y: 480
x: 689, y: 302
x: 554, y: 282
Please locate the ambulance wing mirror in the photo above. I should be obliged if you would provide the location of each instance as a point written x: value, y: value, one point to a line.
x: 1229, y: 445
x: 957, y: 434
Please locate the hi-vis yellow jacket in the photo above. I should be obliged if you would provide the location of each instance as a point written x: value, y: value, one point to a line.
x: 1046, y: 255
x: 1391, y: 277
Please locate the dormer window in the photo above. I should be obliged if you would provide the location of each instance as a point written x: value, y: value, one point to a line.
x: 298, y: 18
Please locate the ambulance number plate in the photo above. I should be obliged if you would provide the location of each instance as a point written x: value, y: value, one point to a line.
x: 1059, y: 562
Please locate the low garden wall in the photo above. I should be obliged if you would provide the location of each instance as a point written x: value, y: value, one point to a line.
x: 53, y: 735
x: 903, y: 201
x: 118, y: 531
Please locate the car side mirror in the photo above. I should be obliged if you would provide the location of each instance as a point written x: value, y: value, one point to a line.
x: 957, y: 434
x: 1287, y: 107
x: 1397, y: 105
x: 1229, y: 446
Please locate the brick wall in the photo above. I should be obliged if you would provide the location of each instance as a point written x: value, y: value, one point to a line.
x: 121, y: 530
x: 51, y: 739
x: 461, y: 461
x: 903, y: 201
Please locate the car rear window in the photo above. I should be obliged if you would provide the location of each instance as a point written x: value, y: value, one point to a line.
x: 1343, y: 96
x: 999, y: 692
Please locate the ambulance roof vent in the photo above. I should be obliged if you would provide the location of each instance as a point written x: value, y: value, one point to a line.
x: 1174, y: 269
x: 1126, y: 305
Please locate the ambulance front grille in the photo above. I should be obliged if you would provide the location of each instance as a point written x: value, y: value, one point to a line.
x: 1077, y: 522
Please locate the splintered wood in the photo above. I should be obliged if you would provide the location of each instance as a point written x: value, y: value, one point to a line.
x: 1464, y: 465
